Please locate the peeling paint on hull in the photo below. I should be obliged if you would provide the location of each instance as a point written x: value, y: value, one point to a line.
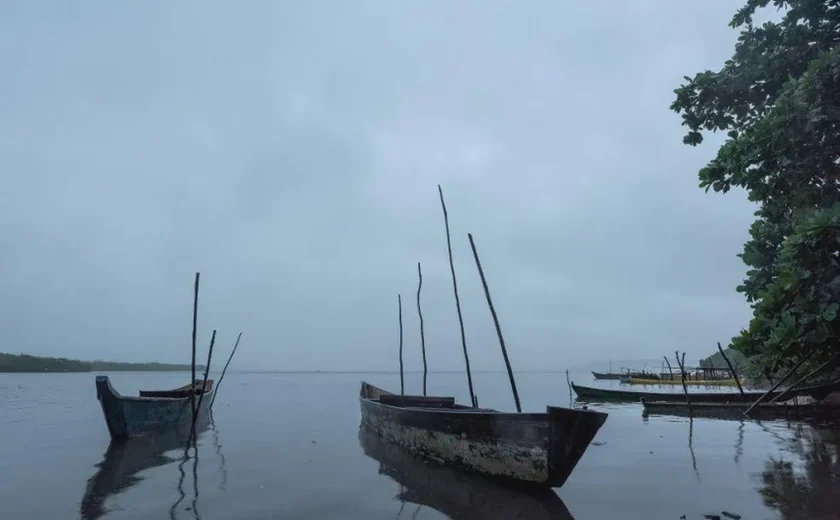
x: 502, y: 459
x: 539, y: 448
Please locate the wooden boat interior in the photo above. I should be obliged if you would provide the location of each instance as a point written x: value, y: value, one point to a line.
x: 180, y: 392
x: 416, y: 401
x: 419, y: 402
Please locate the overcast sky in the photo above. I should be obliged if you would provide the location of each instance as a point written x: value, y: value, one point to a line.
x: 291, y: 151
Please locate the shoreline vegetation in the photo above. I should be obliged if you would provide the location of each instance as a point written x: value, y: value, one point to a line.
x: 16, y: 363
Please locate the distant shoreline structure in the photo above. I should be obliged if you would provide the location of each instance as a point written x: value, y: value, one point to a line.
x: 24, y: 363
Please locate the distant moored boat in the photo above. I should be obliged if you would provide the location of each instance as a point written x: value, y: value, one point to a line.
x: 584, y: 393
x: 609, y: 375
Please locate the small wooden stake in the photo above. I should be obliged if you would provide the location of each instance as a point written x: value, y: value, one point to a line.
x: 422, y: 335
x: 670, y: 370
x: 402, y: 380
x: 235, y: 346
x: 457, y: 299
x: 495, y: 322
x: 682, y: 373
x: 194, y: 328
x: 731, y: 369
x: 569, y: 382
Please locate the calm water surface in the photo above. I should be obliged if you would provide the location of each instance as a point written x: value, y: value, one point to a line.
x: 289, y: 446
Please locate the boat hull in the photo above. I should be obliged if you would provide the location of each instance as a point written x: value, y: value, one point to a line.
x: 128, y: 417
x: 601, y: 375
x: 710, y: 382
x: 584, y: 393
x: 736, y: 411
x: 630, y: 396
x: 540, y: 448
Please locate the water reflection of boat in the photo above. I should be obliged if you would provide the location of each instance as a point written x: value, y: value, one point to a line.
x: 123, y: 462
x: 458, y: 494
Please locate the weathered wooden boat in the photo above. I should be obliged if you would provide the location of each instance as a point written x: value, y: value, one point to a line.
x: 787, y: 410
x: 817, y: 392
x: 540, y: 448
x: 696, y: 382
x: 455, y: 493
x: 609, y: 375
x: 128, y: 416
x: 124, y: 463
x: 182, y: 391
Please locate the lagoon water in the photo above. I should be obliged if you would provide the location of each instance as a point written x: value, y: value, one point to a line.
x: 287, y: 445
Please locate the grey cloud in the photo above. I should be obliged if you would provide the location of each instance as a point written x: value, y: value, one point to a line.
x: 291, y: 152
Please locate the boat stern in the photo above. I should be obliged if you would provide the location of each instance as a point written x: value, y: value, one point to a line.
x: 570, y: 433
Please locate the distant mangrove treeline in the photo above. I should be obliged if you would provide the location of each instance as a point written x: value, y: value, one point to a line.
x: 26, y: 363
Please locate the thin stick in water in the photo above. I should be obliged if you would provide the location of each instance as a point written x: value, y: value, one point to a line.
x: 682, y: 373
x: 569, y: 382
x: 495, y: 322
x: 194, y: 329
x: 402, y: 381
x: 422, y: 334
x: 457, y: 299
x: 235, y: 345
x: 731, y: 369
x: 203, y: 383
x: 670, y: 370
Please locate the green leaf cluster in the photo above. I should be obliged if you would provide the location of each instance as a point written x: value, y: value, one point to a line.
x: 778, y: 100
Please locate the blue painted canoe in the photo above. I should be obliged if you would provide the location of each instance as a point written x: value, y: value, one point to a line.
x: 128, y: 416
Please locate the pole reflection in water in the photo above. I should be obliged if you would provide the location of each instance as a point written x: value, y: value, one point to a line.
x: 808, y: 485
x: 691, y: 447
x: 739, y: 444
x: 458, y: 494
x: 180, y: 487
x: 218, y: 446
x: 195, y: 481
x: 122, y: 464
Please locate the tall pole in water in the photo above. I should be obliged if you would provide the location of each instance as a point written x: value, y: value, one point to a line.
x: 194, y: 327
x: 457, y: 299
x: 402, y: 381
x: 422, y: 335
x: 496, y: 323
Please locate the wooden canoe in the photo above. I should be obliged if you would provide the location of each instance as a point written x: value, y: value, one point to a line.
x: 827, y: 411
x: 538, y: 448
x: 629, y: 396
x: 696, y: 382
x: 455, y: 493
x: 128, y: 416
x: 601, y: 375
x: 587, y: 393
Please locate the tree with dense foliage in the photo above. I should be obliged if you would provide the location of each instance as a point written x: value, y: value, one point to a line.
x: 738, y: 360
x: 778, y: 100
